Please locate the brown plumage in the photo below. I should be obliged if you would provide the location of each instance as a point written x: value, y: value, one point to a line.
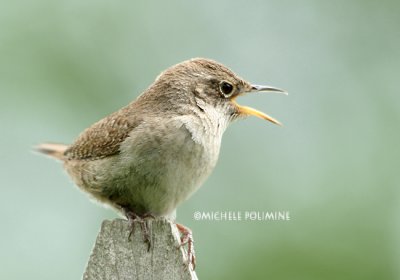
x: 103, y: 138
x: 152, y: 154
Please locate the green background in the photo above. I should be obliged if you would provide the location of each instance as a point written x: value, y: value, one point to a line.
x: 334, y: 164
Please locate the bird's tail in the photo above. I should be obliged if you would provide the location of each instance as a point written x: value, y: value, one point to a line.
x: 53, y: 150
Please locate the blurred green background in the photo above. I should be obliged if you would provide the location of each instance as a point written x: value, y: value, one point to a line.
x: 334, y: 164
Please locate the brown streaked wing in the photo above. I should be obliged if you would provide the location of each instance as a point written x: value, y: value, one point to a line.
x: 103, y: 138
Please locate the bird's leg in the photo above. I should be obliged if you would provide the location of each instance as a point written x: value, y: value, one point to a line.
x: 146, y: 234
x: 132, y: 218
x: 145, y: 228
x: 187, y: 238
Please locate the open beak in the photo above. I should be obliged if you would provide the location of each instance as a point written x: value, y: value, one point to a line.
x: 244, y: 110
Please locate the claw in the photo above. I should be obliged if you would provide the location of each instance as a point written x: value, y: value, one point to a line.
x: 146, y: 234
x: 187, y: 239
x: 132, y: 218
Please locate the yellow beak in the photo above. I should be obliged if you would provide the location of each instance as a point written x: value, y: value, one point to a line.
x: 244, y: 110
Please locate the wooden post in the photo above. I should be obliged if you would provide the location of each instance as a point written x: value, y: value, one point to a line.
x: 116, y: 257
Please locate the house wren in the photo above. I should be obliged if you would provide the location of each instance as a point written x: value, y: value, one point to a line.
x: 149, y: 156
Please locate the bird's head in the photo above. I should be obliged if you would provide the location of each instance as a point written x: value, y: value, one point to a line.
x: 208, y: 82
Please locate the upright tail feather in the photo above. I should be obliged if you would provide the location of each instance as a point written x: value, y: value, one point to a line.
x: 52, y: 149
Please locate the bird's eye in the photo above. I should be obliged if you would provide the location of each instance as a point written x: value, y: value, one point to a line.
x: 226, y: 88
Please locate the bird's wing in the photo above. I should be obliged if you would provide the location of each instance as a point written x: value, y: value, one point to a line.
x: 103, y: 138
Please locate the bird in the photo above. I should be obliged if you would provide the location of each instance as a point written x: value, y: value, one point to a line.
x: 151, y: 155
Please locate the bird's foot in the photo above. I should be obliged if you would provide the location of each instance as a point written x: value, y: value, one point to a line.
x: 187, y: 239
x: 146, y: 230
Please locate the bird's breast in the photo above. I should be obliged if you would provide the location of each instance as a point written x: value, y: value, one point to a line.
x: 168, y: 162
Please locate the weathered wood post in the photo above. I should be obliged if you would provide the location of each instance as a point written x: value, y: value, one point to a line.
x: 115, y: 256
